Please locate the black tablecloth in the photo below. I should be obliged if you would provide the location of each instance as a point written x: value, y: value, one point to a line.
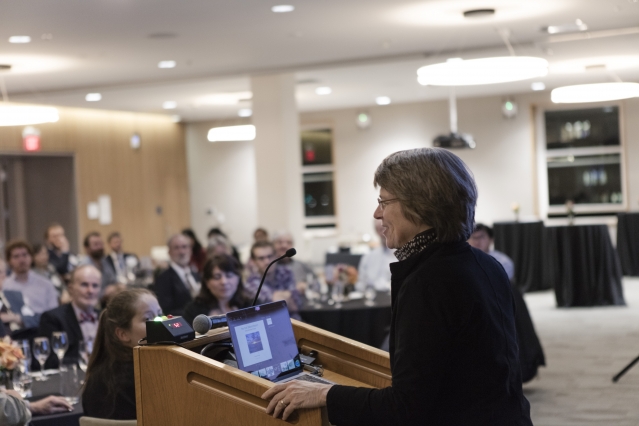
x: 52, y: 387
x: 355, y: 320
x: 582, y: 265
x: 628, y: 242
x: 523, y: 243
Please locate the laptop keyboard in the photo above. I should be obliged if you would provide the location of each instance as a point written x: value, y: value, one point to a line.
x: 314, y: 379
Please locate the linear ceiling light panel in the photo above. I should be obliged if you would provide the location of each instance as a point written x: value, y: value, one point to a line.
x: 15, y: 115
x: 232, y: 133
x: 504, y: 69
x: 598, y: 92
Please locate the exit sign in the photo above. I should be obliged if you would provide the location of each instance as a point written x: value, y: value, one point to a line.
x: 31, y: 143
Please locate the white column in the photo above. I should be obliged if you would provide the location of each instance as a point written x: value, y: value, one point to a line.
x: 278, y: 155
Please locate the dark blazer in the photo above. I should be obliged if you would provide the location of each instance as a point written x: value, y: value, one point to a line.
x: 453, y: 347
x: 193, y: 309
x: 121, y: 406
x: 62, y: 318
x: 171, y: 292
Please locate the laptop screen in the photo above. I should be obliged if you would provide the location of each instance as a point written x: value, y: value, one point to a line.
x: 264, y: 341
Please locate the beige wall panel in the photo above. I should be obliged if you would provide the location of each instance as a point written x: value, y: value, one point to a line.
x: 138, y: 181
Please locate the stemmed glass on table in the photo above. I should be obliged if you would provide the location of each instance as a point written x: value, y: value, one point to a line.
x: 60, y: 344
x: 85, y: 353
x: 41, y: 351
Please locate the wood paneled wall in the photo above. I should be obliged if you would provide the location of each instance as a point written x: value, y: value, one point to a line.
x: 148, y: 187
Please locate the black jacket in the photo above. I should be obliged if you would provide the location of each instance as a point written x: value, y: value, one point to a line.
x: 62, y: 318
x: 172, y: 294
x: 97, y: 403
x: 453, y: 347
x: 195, y: 308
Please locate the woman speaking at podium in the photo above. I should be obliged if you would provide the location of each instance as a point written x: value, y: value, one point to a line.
x: 453, y: 347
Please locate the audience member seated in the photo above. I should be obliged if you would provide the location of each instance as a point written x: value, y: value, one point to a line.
x: 302, y: 272
x: 15, y: 411
x: 109, y: 390
x: 279, y: 283
x: 218, y: 246
x: 259, y: 235
x: 42, y: 266
x: 94, y: 255
x: 374, y: 269
x: 11, y: 308
x: 218, y: 232
x: 482, y: 239
x: 123, y: 264
x: 38, y: 293
x: 79, y: 318
x: 222, y: 290
x: 58, y: 245
x: 198, y: 256
x: 531, y: 354
x: 176, y: 286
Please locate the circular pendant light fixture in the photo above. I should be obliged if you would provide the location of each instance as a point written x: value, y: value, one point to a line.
x: 502, y: 69
x: 598, y: 92
x: 19, y: 115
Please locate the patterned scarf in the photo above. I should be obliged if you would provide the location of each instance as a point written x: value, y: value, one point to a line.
x: 418, y: 244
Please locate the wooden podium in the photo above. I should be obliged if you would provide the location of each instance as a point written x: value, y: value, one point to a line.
x: 179, y: 387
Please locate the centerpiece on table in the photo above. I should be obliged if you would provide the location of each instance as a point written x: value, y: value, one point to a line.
x: 10, y: 358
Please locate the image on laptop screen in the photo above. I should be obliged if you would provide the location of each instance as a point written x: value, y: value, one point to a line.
x: 264, y: 341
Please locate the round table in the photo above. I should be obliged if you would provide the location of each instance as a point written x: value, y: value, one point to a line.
x: 582, y: 266
x: 355, y: 320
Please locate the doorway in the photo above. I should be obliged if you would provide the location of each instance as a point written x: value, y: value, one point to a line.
x: 35, y: 191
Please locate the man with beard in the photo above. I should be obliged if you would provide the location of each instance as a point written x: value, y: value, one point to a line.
x: 94, y: 249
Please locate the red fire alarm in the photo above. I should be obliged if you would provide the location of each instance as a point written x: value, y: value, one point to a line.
x: 31, y: 139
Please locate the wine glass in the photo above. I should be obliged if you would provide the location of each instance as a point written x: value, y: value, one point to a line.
x: 370, y: 294
x: 60, y: 344
x: 85, y: 353
x: 21, y: 383
x: 41, y: 351
x: 25, y: 364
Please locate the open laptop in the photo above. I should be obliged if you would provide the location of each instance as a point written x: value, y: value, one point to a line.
x: 265, y: 344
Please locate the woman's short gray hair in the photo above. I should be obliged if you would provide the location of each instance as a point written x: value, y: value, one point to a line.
x: 435, y: 188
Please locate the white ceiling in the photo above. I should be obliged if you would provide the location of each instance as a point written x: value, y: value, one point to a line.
x: 360, y: 48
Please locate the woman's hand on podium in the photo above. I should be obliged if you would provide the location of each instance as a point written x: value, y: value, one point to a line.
x: 288, y: 397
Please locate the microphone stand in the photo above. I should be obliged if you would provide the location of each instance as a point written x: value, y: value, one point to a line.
x: 289, y: 253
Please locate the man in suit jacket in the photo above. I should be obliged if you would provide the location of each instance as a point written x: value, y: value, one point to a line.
x: 177, y: 286
x: 124, y: 264
x: 79, y: 319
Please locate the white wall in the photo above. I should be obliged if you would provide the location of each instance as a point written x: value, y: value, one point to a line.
x: 502, y: 162
x: 222, y: 179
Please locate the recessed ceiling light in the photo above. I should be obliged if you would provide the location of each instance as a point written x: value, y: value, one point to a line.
x: 572, y: 27
x: 245, y: 112
x: 232, y: 133
x: 283, y: 8
x: 477, y: 13
x: 323, y: 91
x: 482, y: 71
x: 538, y: 86
x: 166, y: 64
x: 169, y: 105
x: 19, y: 39
x: 93, y: 97
x: 598, y: 92
x: 382, y: 100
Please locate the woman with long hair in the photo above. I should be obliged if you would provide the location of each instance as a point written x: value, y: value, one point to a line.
x: 109, y: 390
x: 222, y: 289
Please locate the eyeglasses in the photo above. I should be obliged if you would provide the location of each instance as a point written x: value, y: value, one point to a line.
x: 384, y: 203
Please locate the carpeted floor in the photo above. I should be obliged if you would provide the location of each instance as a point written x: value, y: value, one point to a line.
x: 584, y: 348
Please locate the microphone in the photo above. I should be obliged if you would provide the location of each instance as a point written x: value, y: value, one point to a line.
x: 202, y: 323
x: 289, y: 253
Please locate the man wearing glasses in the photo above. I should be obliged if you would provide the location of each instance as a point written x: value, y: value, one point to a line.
x: 279, y: 283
